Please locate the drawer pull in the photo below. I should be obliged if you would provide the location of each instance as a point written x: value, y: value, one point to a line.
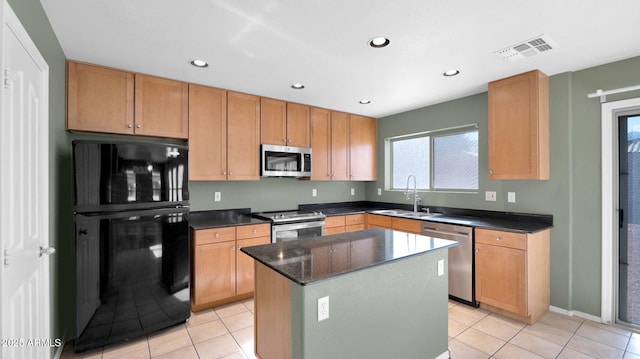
x: 217, y: 235
x: 254, y: 231
x: 497, y: 238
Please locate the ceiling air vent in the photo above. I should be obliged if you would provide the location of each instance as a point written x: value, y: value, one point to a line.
x: 527, y: 48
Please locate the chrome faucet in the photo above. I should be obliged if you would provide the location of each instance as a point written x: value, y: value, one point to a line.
x: 416, y: 199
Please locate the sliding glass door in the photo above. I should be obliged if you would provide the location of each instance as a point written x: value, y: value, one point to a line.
x: 629, y: 222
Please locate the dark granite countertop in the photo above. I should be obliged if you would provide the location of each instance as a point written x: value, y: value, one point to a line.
x: 222, y: 218
x: 310, y: 260
x: 506, y: 221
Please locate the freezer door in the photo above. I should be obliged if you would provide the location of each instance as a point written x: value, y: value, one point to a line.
x: 132, y: 272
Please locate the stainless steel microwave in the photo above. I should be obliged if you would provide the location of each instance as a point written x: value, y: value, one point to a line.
x: 285, y: 161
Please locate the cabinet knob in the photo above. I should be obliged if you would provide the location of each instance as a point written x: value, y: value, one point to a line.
x: 230, y: 173
x: 138, y: 126
x: 477, y: 251
x: 129, y: 125
x: 497, y: 238
x: 289, y: 141
x: 217, y: 235
x: 224, y: 173
x: 490, y: 172
x: 254, y: 231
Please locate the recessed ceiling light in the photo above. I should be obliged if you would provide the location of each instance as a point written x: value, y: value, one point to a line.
x: 379, y: 42
x: 199, y: 63
x: 297, y: 86
x: 450, y: 73
x: 365, y: 102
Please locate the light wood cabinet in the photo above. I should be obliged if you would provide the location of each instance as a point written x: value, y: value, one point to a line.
x: 519, y: 127
x: 243, y: 136
x: 207, y: 133
x: 161, y: 107
x: 221, y: 273
x: 363, y: 145
x: 113, y: 101
x: 334, y: 225
x: 99, y: 99
x: 344, y: 146
x: 284, y: 123
x: 406, y: 225
x: 346, y: 223
x: 512, y: 273
x: 378, y: 221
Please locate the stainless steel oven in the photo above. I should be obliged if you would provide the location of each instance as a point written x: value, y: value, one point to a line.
x: 293, y: 225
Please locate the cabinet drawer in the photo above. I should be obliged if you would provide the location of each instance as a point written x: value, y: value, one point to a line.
x: 500, y: 238
x: 353, y: 219
x: 334, y: 221
x: 354, y: 227
x: 406, y: 225
x: 215, y: 235
x: 377, y: 220
x: 253, y: 231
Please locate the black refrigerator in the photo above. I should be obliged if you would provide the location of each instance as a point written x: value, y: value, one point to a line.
x: 132, y: 240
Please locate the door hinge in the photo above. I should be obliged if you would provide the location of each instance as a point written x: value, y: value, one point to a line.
x: 5, y: 253
x: 7, y: 78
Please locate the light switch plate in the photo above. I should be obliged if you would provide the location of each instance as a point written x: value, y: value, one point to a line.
x: 217, y: 196
x: 314, y: 192
x: 379, y: 191
x: 511, y: 197
x: 353, y: 191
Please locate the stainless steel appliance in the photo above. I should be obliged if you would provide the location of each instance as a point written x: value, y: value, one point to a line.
x: 131, y: 238
x: 461, y: 273
x: 285, y: 161
x: 292, y: 225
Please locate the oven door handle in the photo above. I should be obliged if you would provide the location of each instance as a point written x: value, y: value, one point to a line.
x: 292, y: 226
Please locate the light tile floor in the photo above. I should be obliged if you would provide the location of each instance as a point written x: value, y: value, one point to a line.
x: 227, y: 332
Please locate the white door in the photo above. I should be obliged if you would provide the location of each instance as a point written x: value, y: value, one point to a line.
x: 24, y: 209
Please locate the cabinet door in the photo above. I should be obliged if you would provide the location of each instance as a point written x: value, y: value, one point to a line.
x: 243, y: 136
x: 99, y: 99
x: 207, y: 133
x: 406, y: 225
x: 298, y: 133
x: 245, y: 275
x: 320, y: 144
x: 214, y: 272
x: 501, y: 278
x: 363, y: 141
x: 162, y: 107
x: 339, y: 146
x: 519, y: 127
x: 378, y: 221
x: 273, y: 121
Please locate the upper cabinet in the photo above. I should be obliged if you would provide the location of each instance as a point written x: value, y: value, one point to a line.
x: 108, y: 100
x: 284, y: 123
x: 99, y: 99
x: 162, y: 107
x: 344, y: 146
x: 519, y: 127
x: 207, y: 133
x: 243, y: 136
x: 363, y: 145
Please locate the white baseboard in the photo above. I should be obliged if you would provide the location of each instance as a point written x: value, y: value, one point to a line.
x: 444, y: 355
x: 575, y: 313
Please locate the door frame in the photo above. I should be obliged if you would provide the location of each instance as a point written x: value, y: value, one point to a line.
x: 8, y: 17
x: 610, y: 204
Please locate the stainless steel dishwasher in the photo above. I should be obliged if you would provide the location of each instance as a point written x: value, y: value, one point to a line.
x: 461, y: 271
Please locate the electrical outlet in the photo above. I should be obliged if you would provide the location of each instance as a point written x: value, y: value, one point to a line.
x: 314, y: 192
x: 490, y: 196
x: 353, y: 191
x: 440, y: 267
x: 511, y: 197
x: 379, y: 191
x: 323, y: 308
x: 217, y: 196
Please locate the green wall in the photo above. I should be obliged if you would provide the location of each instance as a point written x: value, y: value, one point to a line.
x: 572, y: 195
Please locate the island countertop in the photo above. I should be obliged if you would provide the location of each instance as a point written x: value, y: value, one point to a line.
x: 310, y: 260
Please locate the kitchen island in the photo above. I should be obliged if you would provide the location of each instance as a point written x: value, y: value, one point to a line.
x: 386, y: 293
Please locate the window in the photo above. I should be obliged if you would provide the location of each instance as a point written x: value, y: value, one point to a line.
x: 440, y: 160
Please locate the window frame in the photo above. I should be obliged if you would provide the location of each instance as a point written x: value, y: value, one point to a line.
x: 389, y: 185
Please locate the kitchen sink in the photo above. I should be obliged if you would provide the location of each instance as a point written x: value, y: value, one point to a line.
x: 404, y: 213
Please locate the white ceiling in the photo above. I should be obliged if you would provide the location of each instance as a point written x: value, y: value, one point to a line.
x: 263, y: 46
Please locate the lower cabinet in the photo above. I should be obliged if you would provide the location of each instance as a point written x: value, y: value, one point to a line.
x: 389, y: 222
x: 221, y: 273
x: 512, y: 273
x: 346, y: 223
